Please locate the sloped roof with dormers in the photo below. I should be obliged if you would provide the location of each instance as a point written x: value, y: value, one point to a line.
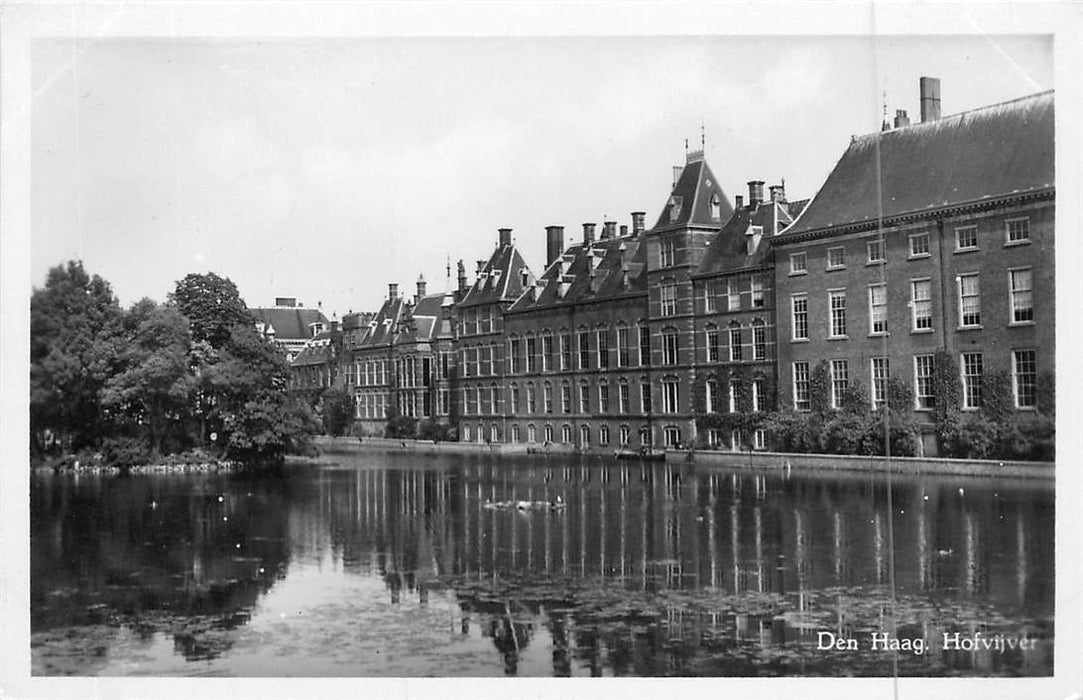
x: 500, y: 279
x: 619, y: 270
x: 980, y: 155
x: 690, y: 202
x: 288, y: 323
x: 728, y: 250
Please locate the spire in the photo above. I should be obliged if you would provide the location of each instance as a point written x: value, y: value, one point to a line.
x: 697, y: 198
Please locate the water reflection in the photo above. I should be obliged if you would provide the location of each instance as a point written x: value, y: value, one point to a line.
x: 646, y: 570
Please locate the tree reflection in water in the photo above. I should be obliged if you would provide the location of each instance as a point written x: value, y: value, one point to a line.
x: 650, y: 569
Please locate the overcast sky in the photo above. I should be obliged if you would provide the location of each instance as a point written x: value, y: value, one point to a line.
x: 324, y: 169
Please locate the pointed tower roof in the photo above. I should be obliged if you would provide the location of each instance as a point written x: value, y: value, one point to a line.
x: 696, y: 200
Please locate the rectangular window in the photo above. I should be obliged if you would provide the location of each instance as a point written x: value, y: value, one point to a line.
x: 734, y: 390
x: 966, y: 238
x: 603, y: 398
x: 444, y: 402
x: 566, y: 398
x: 759, y: 342
x: 733, y: 295
x: 669, y: 396
x: 669, y: 252
x: 623, y: 398
x: 877, y: 309
x: 470, y: 322
x: 736, y: 348
x: 709, y: 297
x: 486, y: 361
x: 921, y: 305
x: 879, y: 381
x: 603, y: 348
x: 712, y: 345
x: 645, y: 397
x: 757, y: 395
x: 531, y: 399
x: 483, y: 401
x: 514, y: 359
x: 798, y: 264
x: 759, y: 439
x: 514, y: 400
x: 1017, y: 230
x: 800, y: 386
x: 757, y: 292
x: 969, y: 301
x: 531, y: 355
x: 711, y: 395
x: 485, y: 320
x: 836, y: 258
x: 644, y: 345
x: 565, y: 352
x: 972, y: 375
x: 923, y: 381
x: 837, y: 304
x: 547, y: 398
x: 799, y: 303
x: 624, y: 352
x: 547, y: 353
x: 584, y: 350
x: 840, y: 379
x: 669, y: 299
x: 1025, y: 378
x: 919, y: 245
x: 669, y: 348
x: 584, y: 398
x: 875, y: 251
x: 1021, y: 295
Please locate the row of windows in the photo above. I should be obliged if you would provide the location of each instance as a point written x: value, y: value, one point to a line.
x: 715, y: 399
x: 478, y: 320
x: 559, y: 352
x: 736, y: 443
x: 754, y: 294
x: 482, y: 433
x: 527, y: 399
x: 1016, y: 232
x: 971, y: 372
x: 968, y: 289
x: 738, y: 350
x: 408, y: 371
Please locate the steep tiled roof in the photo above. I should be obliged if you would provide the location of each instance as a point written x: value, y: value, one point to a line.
x: 289, y: 323
x: 613, y: 257
x: 693, y: 192
x: 500, y: 279
x: 384, y: 324
x: 981, y: 154
x: 729, y: 249
x: 402, y: 321
x: 318, y: 351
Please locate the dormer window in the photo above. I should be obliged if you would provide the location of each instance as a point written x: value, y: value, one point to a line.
x: 317, y: 328
x: 716, y: 207
x: 675, y: 207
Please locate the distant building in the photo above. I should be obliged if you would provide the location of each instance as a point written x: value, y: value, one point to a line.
x: 289, y: 325
x: 927, y: 237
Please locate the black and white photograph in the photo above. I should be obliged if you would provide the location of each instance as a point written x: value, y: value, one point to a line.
x: 451, y: 349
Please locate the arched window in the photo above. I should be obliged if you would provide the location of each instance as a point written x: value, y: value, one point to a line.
x: 669, y: 346
x: 547, y: 350
x: 712, y: 395
x: 736, y: 342
x: 625, y: 435
x: 531, y: 433
x: 672, y: 436
x: 584, y: 436
x: 515, y: 432
x: 603, y: 435
x: 481, y: 433
x: 566, y: 433
x: 548, y: 432
x: 466, y: 433
x: 716, y: 207
x: 494, y: 433
x: 759, y: 340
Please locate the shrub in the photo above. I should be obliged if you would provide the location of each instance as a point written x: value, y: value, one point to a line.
x: 977, y: 438
x: 902, y: 433
x: 336, y: 410
x: 855, y: 399
x: 432, y: 430
x: 997, y: 402
x: 819, y: 391
x: 401, y: 427
x: 1030, y: 437
x: 843, y: 434
x: 125, y: 452
x: 791, y: 431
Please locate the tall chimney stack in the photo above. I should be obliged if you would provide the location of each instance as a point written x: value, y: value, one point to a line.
x: 930, y: 99
x: 462, y: 276
x: 623, y: 230
x: 420, y: 288
x: 677, y: 170
x: 755, y: 192
x: 481, y: 266
x: 609, y: 229
x: 392, y: 291
x: 739, y: 201
x: 505, y: 237
x: 588, y: 233
x: 778, y: 193
x: 554, y: 243
x: 638, y: 222
x: 901, y: 119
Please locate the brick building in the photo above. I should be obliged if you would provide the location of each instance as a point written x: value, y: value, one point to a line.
x: 951, y: 248
x: 289, y: 324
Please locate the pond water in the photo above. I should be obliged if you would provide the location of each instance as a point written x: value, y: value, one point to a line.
x: 376, y: 564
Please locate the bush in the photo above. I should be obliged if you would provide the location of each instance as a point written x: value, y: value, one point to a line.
x: 977, y: 438
x: 791, y: 431
x: 401, y: 427
x: 843, y: 434
x: 125, y: 452
x: 336, y: 410
x: 902, y: 433
x: 1029, y: 437
x: 432, y: 430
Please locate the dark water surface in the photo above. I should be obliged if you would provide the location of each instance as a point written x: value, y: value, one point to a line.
x: 398, y: 565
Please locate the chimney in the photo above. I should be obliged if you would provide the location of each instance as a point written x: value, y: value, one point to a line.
x: 778, y: 193
x: 739, y: 201
x: 505, y: 237
x: 753, y: 236
x: 901, y: 119
x: 930, y: 99
x: 554, y: 243
x: 420, y: 288
x: 588, y: 233
x: 677, y: 170
x: 481, y: 266
x: 609, y: 229
x: 462, y: 277
x: 755, y: 192
x: 623, y: 230
x: 285, y: 302
x: 392, y: 291
x: 638, y: 224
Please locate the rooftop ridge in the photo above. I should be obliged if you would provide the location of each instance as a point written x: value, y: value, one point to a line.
x: 957, y: 115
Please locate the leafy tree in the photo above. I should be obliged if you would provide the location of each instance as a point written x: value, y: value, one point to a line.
x: 997, y: 402
x: 855, y: 399
x: 337, y: 409
x: 154, y: 383
x: 74, y: 334
x: 819, y: 391
x: 267, y: 427
x: 213, y: 307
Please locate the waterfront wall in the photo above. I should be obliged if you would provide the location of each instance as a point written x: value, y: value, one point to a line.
x: 753, y: 460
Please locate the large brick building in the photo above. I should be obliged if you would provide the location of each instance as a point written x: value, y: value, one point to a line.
x: 935, y: 236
